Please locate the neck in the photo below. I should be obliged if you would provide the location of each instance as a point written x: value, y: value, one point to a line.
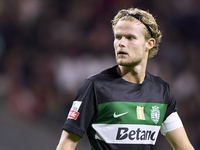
x: 132, y: 74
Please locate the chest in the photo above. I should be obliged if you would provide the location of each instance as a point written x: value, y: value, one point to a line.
x: 131, y: 105
x: 131, y: 113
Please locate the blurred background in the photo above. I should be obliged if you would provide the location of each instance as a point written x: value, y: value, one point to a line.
x: 48, y: 47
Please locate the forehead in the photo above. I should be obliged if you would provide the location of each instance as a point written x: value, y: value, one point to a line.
x: 128, y: 26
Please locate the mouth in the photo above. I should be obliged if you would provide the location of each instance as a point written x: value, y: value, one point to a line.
x: 122, y: 53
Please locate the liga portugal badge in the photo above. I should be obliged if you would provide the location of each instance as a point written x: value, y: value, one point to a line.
x: 155, y: 114
x: 73, y: 113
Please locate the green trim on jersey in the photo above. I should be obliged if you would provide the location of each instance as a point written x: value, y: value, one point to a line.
x: 131, y: 113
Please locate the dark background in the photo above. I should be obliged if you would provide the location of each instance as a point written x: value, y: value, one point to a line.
x: 48, y: 47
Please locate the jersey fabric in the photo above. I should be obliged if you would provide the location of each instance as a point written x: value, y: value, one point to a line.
x: 117, y: 114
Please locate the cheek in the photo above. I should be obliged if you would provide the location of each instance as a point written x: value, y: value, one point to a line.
x: 115, y: 44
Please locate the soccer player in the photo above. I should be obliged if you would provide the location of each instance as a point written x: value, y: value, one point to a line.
x: 125, y: 107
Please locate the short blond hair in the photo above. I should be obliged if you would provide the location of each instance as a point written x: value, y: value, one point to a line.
x: 147, y: 19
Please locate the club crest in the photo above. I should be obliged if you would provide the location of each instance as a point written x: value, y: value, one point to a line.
x: 155, y: 114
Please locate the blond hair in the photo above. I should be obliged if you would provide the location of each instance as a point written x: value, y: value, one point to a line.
x: 147, y: 19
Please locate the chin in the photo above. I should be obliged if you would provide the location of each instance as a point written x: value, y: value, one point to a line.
x: 125, y: 64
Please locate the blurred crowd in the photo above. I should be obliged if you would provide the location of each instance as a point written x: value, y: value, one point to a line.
x: 47, y: 48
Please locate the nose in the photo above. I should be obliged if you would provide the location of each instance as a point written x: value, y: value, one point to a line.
x: 122, y: 42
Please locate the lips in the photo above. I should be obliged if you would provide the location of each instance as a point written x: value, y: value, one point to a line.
x: 121, y: 53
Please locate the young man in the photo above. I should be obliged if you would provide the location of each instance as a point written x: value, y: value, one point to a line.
x: 125, y: 107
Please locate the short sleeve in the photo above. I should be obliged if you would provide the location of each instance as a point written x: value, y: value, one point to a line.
x: 171, y: 102
x: 83, y: 110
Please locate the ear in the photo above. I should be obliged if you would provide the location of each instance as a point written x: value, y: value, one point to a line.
x: 150, y: 43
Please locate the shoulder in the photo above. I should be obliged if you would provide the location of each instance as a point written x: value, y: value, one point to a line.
x: 157, y: 81
x: 105, y: 77
x: 100, y: 80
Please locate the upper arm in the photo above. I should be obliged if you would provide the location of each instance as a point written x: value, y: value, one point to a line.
x: 68, y: 141
x: 179, y: 140
x: 172, y: 128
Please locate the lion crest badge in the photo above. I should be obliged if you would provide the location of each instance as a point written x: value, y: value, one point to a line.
x: 155, y: 114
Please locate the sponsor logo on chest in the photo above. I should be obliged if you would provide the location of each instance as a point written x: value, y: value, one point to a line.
x: 138, y: 134
x: 126, y: 134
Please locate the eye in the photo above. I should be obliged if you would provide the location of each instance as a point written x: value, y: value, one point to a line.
x: 129, y: 37
x: 118, y: 37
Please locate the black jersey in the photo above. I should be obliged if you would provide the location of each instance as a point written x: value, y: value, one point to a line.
x: 117, y: 114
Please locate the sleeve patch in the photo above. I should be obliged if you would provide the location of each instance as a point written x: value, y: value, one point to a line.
x: 73, y: 113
